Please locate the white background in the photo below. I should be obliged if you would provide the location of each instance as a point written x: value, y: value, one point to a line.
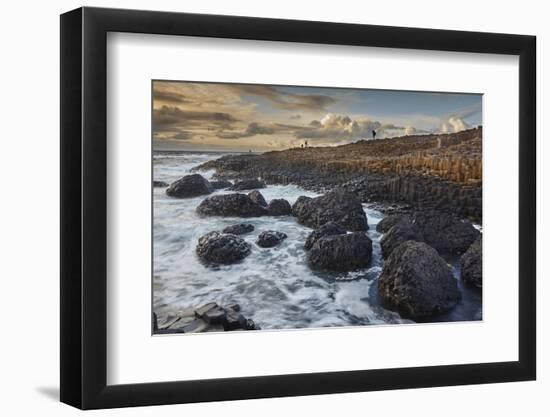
x: 133, y: 60
x: 29, y: 218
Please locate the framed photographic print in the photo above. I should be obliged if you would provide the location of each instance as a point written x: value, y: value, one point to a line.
x: 257, y: 207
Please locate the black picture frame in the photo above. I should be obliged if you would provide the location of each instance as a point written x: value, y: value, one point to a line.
x: 84, y: 207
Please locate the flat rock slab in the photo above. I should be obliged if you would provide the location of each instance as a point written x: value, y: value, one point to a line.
x: 209, y: 317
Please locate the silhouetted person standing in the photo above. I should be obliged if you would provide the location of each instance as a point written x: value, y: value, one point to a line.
x: 374, y: 134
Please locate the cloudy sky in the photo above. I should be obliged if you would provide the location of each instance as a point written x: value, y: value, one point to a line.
x: 239, y: 117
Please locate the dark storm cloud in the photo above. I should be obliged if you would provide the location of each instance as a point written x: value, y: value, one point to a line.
x: 309, y: 101
x: 182, y: 135
x: 169, y: 97
x: 251, y: 130
x: 286, y: 100
x: 168, y: 115
x: 254, y: 129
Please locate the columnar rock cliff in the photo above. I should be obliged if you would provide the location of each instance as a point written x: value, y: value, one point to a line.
x: 442, y: 171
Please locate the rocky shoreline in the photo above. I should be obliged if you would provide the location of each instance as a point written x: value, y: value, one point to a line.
x: 441, y: 172
x: 429, y: 187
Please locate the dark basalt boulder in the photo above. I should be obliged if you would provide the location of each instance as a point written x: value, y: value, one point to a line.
x: 189, y: 186
x: 239, y: 229
x: 341, y: 252
x: 471, y: 265
x: 239, y: 205
x: 159, y: 184
x: 339, y: 206
x: 444, y: 232
x: 220, y: 184
x: 249, y: 184
x: 328, y: 229
x: 401, y: 232
x: 388, y: 222
x: 220, y: 248
x: 257, y: 197
x: 270, y: 238
x: 300, y: 207
x: 279, y: 207
x: 416, y: 281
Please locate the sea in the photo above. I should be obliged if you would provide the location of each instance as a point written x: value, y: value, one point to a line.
x: 274, y: 286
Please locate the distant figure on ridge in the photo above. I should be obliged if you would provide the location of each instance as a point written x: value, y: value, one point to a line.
x: 374, y: 134
x: 306, y: 143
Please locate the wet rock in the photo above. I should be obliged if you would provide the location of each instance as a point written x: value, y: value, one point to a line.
x: 236, y: 321
x: 155, y: 322
x: 389, y: 221
x: 210, y: 317
x: 189, y: 186
x: 338, y: 206
x: 233, y: 321
x: 416, y: 281
x: 279, y: 207
x: 248, y: 184
x: 167, y: 321
x: 328, y: 229
x: 341, y: 252
x: 196, y: 326
x: 445, y: 232
x: 211, y: 313
x: 220, y: 248
x: 239, y: 229
x: 399, y: 233
x: 471, y: 264
x: 270, y: 238
x: 239, y: 205
x: 221, y: 184
x: 174, y: 323
x: 159, y: 184
x: 300, y: 208
x: 235, y: 307
x: 248, y: 324
x: 257, y: 197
